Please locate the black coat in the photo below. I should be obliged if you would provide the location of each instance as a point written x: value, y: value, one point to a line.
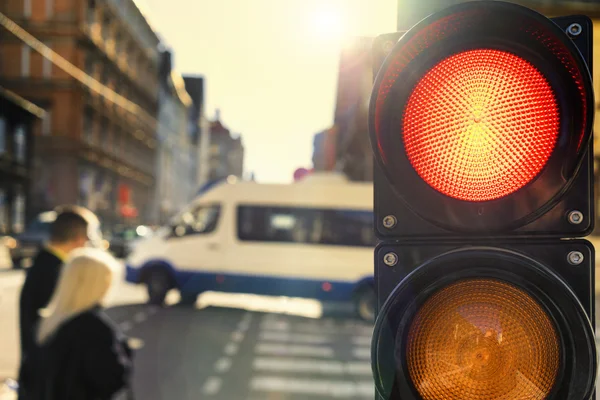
x: 85, y: 359
x: 36, y: 293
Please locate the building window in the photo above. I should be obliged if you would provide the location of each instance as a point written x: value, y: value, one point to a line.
x: 18, y: 211
x: 47, y: 64
x: 20, y: 140
x: 106, y: 27
x: 3, y: 135
x: 118, y: 43
x: 25, y: 60
x: 49, y: 8
x: 101, y: 138
x: 88, y: 126
x: 27, y: 8
x: 3, y: 212
x: 91, y: 12
x: 47, y: 123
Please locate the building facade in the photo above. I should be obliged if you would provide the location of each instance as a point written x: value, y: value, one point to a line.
x: 199, y: 128
x: 226, y: 152
x: 17, y: 117
x: 345, y: 146
x: 93, y: 148
x: 176, y: 154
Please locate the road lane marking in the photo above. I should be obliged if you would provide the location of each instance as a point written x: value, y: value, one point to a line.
x: 125, y: 326
x: 342, y: 389
x: 306, y: 327
x: 139, y: 317
x: 231, y: 349
x: 277, y: 364
x: 237, y: 336
x: 223, y: 364
x: 276, y: 336
x: 361, y: 340
x: 294, y: 350
x: 212, y: 385
x: 363, y: 353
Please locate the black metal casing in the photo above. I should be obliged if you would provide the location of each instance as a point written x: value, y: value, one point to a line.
x: 552, y: 223
x: 547, y: 239
x: 575, y: 284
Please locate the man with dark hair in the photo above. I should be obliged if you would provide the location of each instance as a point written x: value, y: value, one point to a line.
x: 74, y: 227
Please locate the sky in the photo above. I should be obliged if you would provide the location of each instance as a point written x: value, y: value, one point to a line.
x: 270, y: 66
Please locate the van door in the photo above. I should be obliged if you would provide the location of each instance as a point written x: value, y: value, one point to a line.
x: 195, y: 242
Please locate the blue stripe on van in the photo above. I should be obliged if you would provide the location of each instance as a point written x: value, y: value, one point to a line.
x: 191, y: 282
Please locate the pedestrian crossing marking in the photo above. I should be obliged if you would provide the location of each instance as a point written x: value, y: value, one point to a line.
x: 278, y: 364
x: 362, y: 353
x: 212, y: 385
x: 340, y: 389
x: 294, y: 350
x: 278, y: 336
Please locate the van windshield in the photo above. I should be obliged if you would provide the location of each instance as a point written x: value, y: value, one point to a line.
x: 37, y: 227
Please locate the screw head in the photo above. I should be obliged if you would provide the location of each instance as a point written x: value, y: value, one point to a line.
x: 574, y: 30
x: 575, y: 257
x: 575, y: 217
x: 389, y: 221
x: 387, y: 46
x: 390, y: 259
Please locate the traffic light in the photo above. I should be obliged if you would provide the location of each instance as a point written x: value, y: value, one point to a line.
x: 481, y: 122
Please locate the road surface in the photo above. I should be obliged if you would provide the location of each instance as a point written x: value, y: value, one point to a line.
x: 263, y: 352
x: 226, y: 353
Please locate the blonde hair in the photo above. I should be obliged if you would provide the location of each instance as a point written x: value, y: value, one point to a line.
x: 84, y: 282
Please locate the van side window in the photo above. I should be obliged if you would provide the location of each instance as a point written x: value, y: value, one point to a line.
x: 305, y: 225
x: 200, y: 220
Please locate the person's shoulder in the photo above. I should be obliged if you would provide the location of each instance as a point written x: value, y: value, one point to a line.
x: 45, y: 258
x: 92, y: 323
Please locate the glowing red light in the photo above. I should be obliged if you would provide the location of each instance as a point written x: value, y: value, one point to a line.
x: 326, y: 286
x: 480, y: 125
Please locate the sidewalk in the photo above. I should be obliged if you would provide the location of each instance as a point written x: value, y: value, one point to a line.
x: 6, y: 393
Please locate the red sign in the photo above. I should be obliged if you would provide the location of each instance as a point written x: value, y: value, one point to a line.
x: 301, y: 173
x: 124, y: 194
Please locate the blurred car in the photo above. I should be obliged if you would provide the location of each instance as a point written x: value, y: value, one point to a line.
x: 25, y: 246
x: 123, y: 240
x: 6, y: 244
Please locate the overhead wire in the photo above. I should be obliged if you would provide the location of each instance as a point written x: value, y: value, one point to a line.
x: 80, y: 75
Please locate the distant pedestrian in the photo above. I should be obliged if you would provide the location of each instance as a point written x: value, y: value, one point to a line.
x: 80, y: 353
x: 73, y: 227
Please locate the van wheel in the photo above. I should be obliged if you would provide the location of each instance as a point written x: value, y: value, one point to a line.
x: 364, y: 303
x: 158, y: 283
x: 188, y: 299
x: 17, y: 263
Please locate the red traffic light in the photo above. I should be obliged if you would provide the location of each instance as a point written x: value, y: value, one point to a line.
x: 482, y: 112
x: 480, y: 124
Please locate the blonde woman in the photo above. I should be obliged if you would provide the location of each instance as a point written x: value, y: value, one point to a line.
x: 80, y: 355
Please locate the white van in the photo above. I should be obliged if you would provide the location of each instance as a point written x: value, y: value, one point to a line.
x: 311, y: 239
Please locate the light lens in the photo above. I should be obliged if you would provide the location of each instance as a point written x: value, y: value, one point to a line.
x: 482, y: 339
x: 480, y: 124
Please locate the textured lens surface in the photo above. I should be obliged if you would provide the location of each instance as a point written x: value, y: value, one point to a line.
x: 482, y: 339
x: 480, y: 124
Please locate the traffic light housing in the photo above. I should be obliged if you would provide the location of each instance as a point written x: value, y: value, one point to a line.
x: 481, y: 122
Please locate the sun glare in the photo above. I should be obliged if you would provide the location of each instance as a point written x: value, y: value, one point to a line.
x: 327, y: 23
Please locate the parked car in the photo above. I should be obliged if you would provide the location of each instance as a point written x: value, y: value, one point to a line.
x: 26, y: 245
x: 123, y: 239
x: 6, y: 244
